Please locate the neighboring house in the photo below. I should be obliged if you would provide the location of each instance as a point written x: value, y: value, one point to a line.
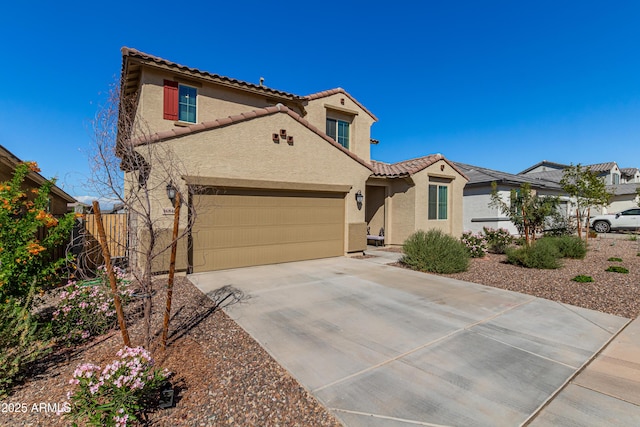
x: 630, y: 175
x: 274, y: 176
x: 477, y: 196
x: 58, y: 198
x: 621, y: 182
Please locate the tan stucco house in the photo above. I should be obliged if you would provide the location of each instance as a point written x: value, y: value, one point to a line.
x: 272, y: 176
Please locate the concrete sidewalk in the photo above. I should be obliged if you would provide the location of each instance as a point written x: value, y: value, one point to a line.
x: 606, y: 392
x: 383, y: 346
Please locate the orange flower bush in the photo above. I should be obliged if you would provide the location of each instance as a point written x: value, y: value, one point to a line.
x: 26, y: 262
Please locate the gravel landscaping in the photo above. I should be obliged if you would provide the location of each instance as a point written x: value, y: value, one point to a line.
x: 223, y: 377
x: 613, y: 293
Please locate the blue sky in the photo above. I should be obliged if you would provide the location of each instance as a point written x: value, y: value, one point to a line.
x: 499, y: 84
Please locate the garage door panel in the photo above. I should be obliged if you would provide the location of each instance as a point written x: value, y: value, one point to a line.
x: 261, y: 236
x: 238, y: 230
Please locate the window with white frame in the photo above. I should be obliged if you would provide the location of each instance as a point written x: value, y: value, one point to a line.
x: 339, y: 131
x: 187, y: 103
x: 438, y: 206
x: 615, y: 178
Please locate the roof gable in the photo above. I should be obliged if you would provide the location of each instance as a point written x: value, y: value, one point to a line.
x: 551, y: 165
x: 335, y: 91
x: 239, y: 118
x: 602, y: 167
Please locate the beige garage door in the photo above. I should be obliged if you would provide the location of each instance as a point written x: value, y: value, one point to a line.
x: 244, y: 228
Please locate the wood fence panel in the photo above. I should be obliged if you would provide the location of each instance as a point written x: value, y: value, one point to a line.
x: 115, y: 226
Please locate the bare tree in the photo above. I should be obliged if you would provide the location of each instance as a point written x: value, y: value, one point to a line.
x: 128, y: 166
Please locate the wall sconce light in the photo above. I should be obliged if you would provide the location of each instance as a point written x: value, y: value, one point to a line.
x: 359, y: 199
x: 171, y: 192
x: 283, y: 133
x: 290, y: 140
x: 276, y: 138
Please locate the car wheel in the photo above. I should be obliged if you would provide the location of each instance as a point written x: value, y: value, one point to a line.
x: 601, y: 226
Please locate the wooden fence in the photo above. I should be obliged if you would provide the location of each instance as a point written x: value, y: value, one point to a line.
x: 115, y: 227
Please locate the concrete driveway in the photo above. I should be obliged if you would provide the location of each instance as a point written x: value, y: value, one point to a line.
x: 383, y: 346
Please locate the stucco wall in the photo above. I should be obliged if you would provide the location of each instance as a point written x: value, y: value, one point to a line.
x: 402, y: 211
x: 360, y: 128
x: 440, y: 173
x: 478, y: 214
x: 213, y: 101
x: 246, y: 151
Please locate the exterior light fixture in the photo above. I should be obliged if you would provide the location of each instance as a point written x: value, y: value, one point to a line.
x: 171, y: 192
x: 359, y: 199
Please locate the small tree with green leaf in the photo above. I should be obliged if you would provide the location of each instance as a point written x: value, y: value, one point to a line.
x: 27, y: 266
x: 587, y: 189
x: 527, y: 210
x: 25, y: 260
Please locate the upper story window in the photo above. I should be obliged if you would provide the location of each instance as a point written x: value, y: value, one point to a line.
x: 615, y: 178
x: 438, y: 201
x: 339, y: 131
x: 180, y: 102
x: 187, y: 103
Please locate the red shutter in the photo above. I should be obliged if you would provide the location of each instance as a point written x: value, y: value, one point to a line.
x: 170, y: 100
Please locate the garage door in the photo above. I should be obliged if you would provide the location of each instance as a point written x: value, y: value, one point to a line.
x: 244, y: 228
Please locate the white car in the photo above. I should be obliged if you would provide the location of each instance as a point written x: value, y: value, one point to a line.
x: 625, y: 220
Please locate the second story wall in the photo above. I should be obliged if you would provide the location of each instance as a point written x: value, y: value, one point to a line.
x: 212, y: 101
x: 339, y: 109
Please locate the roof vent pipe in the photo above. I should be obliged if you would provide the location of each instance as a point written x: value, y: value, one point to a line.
x: 261, y: 81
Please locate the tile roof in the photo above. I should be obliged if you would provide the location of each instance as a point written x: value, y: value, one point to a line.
x: 479, y: 175
x: 554, y: 175
x: 410, y: 167
x: 629, y: 171
x: 602, y: 167
x: 330, y: 92
x: 238, y: 118
x: 623, y: 189
x: 544, y: 163
x: 151, y: 59
x: 11, y: 160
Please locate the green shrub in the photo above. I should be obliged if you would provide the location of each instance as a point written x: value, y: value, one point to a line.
x: 475, y: 244
x: 568, y: 246
x: 22, y: 341
x: 617, y: 269
x: 633, y: 238
x: 542, y: 254
x: 435, y: 252
x: 87, y: 308
x: 614, y: 259
x: 582, y: 279
x: 497, y: 240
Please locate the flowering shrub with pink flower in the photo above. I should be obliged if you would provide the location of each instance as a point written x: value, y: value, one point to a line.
x: 86, y: 308
x: 118, y: 393
x: 475, y: 244
x: 498, y: 240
